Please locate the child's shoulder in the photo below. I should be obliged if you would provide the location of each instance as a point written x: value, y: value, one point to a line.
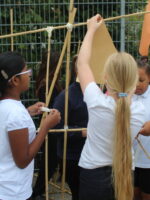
x: 137, y: 107
x: 137, y: 113
x: 11, y: 103
x: 147, y: 92
x: 11, y: 106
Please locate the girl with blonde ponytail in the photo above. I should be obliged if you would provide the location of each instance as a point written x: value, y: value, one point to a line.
x: 122, y: 79
x: 114, y: 121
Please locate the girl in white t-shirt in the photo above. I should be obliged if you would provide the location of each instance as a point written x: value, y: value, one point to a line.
x: 18, y: 140
x: 142, y: 161
x: 113, y: 123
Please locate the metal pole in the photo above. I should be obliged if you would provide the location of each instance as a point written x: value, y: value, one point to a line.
x: 122, y: 32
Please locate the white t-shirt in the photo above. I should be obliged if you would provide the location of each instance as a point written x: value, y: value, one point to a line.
x: 98, y: 148
x: 141, y: 160
x: 15, y: 183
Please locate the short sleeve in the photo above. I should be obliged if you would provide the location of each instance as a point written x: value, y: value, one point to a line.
x: 137, y: 117
x: 91, y: 94
x: 18, y: 119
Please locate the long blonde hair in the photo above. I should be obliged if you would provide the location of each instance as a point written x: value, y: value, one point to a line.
x: 121, y: 71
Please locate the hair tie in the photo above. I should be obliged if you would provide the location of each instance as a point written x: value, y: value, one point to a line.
x: 4, y: 74
x: 122, y: 94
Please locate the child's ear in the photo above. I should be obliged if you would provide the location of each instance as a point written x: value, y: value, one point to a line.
x: 15, y: 81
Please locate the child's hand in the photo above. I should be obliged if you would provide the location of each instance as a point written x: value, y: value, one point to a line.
x: 35, y: 108
x: 52, y: 119
x: 145, y: 129
x: 84, y: 133
x: 94, y: 23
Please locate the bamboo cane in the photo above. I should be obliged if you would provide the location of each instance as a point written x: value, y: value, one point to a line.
x: 75, y: 25
x: 68, y: 130
x: 116, y: 18
x: 63, y: 130
x: 57, y: 69
x: 47, y: 102
x: 11, y: 29
x: 72, y: 12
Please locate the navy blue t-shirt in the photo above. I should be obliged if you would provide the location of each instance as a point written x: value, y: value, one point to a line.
x: 77, y: 118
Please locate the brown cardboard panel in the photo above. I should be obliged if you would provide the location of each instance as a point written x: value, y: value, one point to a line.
x: 103, y: 47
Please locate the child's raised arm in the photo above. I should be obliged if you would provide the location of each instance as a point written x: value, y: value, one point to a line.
x: 83, y: 64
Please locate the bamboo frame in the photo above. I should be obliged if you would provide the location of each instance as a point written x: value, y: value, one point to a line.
x: 74, y: 25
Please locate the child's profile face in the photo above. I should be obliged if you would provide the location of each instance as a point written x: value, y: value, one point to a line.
x: 143, y: 82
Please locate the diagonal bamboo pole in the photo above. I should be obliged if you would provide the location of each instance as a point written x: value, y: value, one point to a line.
x: 57, y: 69
x: 75, y: 25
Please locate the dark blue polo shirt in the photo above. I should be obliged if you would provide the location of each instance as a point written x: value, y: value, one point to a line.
x: 77, y: 118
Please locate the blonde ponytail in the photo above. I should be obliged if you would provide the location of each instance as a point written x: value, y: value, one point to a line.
x: 122, y: 157
x: 121, y: 73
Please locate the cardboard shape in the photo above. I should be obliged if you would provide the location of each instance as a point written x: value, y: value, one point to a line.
x: 102, y: 48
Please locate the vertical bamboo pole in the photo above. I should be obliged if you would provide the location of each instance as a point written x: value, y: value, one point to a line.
x: 46, y: 139
x: 48, y: 97
x: 11, y: 29
x: 72, y: 12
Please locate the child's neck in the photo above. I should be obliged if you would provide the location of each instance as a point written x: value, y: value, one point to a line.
x: 11, y: 95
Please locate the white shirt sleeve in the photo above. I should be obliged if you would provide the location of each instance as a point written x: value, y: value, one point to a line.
x: 18, y: 119
x: 91, y: 94
x: 137, y: 117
